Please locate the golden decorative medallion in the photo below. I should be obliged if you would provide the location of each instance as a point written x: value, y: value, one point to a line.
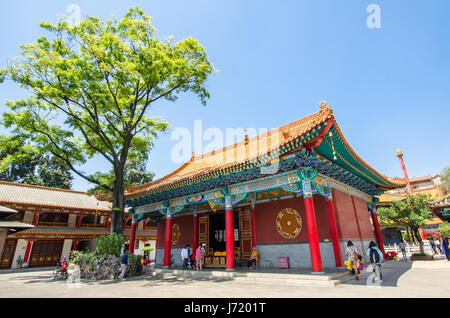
x: 175, y: 233
x: 289, y: 223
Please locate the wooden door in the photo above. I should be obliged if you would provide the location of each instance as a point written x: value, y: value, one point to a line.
x: 203, y: 230
x: 245, y: 230
x: 7, y: 255
x: 46, y: 253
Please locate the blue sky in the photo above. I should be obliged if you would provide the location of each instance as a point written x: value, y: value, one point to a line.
x: 389, y: 87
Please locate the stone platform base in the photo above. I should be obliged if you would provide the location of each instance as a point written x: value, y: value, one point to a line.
x: 290, y: 277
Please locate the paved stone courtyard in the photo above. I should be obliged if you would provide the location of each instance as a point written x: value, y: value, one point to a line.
x: 400, y: 279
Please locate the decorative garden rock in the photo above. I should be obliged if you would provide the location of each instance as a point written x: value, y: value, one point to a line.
x: 107, y: 267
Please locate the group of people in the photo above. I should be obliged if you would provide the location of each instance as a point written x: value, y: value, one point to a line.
x: 373, y: 253
x: 437, y: 247
x: 194, y: 259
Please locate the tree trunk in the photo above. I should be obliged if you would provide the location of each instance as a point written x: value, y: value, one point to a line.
x: 117, y: 213
x: 419, y: 239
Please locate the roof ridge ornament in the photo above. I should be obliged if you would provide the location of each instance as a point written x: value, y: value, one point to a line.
x: 323, y: 104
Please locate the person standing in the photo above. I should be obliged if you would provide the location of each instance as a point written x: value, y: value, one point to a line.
x: 352, y: 256
x: 198, y: 258
x: 402, y: 247
x: 445, y: 248
x: 376, y: 258
x: 123, y: 264
x: 185, y: 256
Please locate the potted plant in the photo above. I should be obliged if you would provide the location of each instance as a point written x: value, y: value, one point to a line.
x: 19, y: 262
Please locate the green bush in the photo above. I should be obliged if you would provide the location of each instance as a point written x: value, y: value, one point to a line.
x: 420, y: 254
x: 109, y: 244
x: 444, y: 229
x: 75, y: 257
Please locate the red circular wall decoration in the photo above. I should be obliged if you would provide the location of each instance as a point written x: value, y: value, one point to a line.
x: 289, y: 223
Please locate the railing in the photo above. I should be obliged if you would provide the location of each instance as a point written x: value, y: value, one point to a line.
x: 410, y: 248
x: 52, y: 224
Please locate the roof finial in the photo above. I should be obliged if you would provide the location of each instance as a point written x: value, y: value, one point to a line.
x: 246, y: 136
x: 323, y: 104
x: 193, y: 155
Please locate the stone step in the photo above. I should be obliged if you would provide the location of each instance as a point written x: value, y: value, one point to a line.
x: 273, y: 278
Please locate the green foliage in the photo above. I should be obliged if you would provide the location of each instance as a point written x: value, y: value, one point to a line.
x: 19, y: 261
x: 109, y: 244
x: 413, y: 211
x: 87, y: 256
x: 147, y: 249
x: 91, y: 87
x: 135, y: 173
x: 444, y: 229
x: 75, y: 257
x: 132, y: 257
x: 23, y: 163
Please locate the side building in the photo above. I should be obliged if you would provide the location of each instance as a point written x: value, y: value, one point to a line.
x: 64, y: 220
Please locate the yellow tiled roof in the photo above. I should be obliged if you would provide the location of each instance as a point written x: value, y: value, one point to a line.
x: 16, y: 193
x: 249, y: 149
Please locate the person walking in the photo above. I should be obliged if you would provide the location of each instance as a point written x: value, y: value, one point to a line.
x: 185, y: 257
x: 438, y: 245
x: 123, y: 264
x: 433, y: 246
x: 352, y: 256
x: 445, y: 248
x: 402, y: 247
x: 376, y: 258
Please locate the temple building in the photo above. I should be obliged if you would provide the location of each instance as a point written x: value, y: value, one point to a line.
x: 429, y: 185
x: 298, y: 192
x: 61, y: 221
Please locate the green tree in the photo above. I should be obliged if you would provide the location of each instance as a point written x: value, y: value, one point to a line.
x: 444, y: 229
x: 135, y: 173
x: 91, y: 89
x: 412, y: 212
x: 22, y: 163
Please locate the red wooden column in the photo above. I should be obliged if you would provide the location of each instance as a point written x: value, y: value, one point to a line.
x: 107, y: 223
x: 74, y: 248
x: 313, y: 236
x: 194, y: 232
x: 376, y: 226
x: 253, y: 225
x: 229, y: 234
x: 333, y: 230
x: 80, y: 218
x: 28, y: 249
x: 132, y: 235
x: 167, y: 239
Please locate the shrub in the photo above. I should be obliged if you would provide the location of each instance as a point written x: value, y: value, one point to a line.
x: 75, y: 257
x: 109, y: 244
x: 420, y: 254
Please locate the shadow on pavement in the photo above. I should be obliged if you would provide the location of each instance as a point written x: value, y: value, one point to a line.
x: 391, y: 273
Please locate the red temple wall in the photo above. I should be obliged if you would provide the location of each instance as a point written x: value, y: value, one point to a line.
x: 266, y: 214
x: 185, y: 224
x: 352, y: 216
